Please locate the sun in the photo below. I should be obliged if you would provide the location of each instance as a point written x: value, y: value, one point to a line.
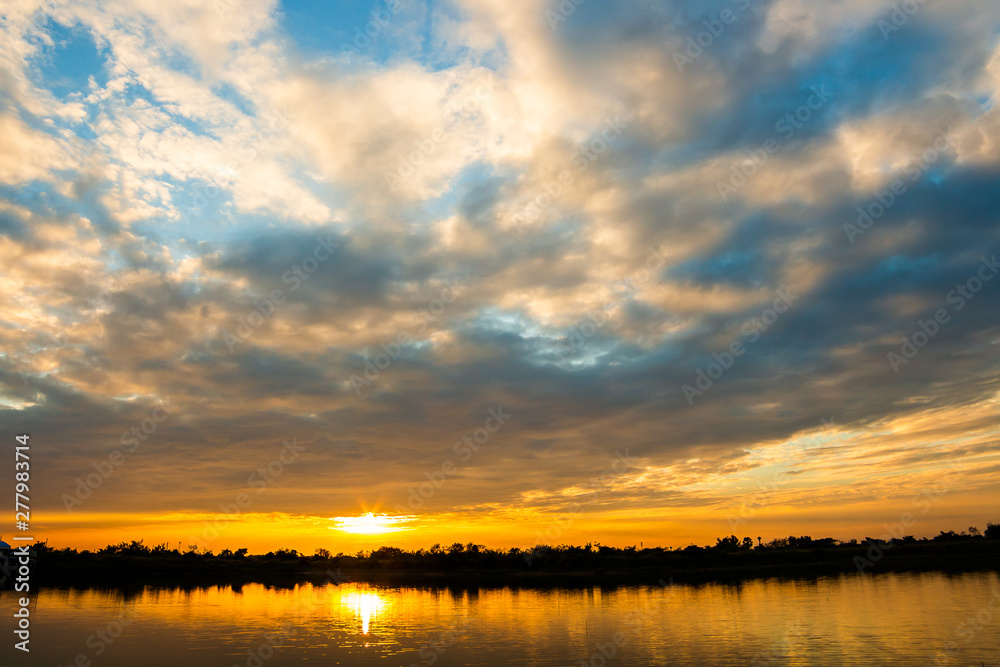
x: 369, y: 524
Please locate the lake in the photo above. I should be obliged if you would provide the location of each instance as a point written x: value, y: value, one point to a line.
x: 886, y: 619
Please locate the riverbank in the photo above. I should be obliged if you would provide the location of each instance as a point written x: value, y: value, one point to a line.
x: 563, y: 566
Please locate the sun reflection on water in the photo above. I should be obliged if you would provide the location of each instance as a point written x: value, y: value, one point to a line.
x: 795, y: 622
x: 366, y: 605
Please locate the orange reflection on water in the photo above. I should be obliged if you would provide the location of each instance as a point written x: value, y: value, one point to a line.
x: 366, y: 605
x: 841, y: 620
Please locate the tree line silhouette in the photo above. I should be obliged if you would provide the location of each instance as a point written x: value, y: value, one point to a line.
x: 136, y: 560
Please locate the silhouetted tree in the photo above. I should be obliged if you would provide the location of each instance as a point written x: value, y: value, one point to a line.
x: 731, y: 543
x: 387, y: 553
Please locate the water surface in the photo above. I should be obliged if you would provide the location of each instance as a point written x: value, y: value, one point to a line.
x: 887, y: 619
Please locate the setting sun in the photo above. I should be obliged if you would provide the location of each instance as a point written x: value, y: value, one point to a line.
x: 368, y: 524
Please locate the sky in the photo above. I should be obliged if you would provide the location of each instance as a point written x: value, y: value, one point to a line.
x: 514, y: 273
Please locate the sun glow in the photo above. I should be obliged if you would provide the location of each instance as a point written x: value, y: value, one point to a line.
x: 369, y: 524
x: 365, y: 605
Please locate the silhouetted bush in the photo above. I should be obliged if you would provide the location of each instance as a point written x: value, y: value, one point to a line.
x: 731, y: 553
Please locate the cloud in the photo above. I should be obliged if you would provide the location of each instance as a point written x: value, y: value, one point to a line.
x: 27, y: 154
